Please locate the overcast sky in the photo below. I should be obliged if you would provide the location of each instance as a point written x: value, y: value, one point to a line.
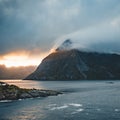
x: 35, y: 25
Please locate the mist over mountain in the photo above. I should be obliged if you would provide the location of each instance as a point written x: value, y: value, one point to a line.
x: 15, y: 72
x: 67, y: 63
x: 66, y: 45
x: 100, y: 38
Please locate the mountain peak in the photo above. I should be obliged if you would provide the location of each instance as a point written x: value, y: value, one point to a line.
x: 66, y: 45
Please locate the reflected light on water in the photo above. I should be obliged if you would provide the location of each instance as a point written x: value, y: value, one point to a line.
x: 24, y: 83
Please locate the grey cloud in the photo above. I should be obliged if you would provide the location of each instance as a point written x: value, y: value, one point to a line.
x: 100, y: 38
x: 29, y: 24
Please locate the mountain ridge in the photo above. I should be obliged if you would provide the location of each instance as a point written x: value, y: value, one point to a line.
x: 15, y: 72
x: 77, y: 65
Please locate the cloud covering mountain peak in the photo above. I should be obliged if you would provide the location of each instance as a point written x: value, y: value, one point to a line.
x: 103, y: 37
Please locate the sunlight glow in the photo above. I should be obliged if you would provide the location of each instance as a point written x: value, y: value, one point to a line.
x: 52, y: 50
x: 20, y: 59
x: 17, y: 63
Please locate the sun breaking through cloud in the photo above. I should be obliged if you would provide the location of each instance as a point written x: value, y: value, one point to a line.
x: 27, y: 25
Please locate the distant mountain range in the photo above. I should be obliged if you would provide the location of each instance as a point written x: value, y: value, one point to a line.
x: 15, y: 72
x: 73, y: 64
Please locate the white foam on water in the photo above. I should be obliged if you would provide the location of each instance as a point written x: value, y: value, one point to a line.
x: 77, y: 111
x: 50, y: 105
x: 98, y: 109
x: 80, y: 110
x: 6, y: 101
x: 116, y: 110
x: 20, y: 99
x: 75, y: 105
x: 59, y: 108
x: 55, y: 107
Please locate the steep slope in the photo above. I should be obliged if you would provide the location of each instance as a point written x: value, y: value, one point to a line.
x: 77, y: 65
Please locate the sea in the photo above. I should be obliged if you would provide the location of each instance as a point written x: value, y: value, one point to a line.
x: 81, y: 100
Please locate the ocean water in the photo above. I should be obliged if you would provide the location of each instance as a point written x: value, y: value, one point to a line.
x: 82, y: 100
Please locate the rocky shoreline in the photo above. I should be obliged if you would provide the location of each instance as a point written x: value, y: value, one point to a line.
x: 12, y: 92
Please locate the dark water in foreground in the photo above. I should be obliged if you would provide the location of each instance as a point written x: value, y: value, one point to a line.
x: 83, y: 100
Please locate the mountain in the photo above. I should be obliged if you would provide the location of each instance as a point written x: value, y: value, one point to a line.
x: 15, y: 72
x: 77, y: 65
x: 66, y: 45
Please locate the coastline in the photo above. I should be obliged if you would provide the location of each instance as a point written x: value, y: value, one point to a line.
x: 13, y: 92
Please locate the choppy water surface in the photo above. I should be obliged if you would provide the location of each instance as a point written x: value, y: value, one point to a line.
x: 82, y: 100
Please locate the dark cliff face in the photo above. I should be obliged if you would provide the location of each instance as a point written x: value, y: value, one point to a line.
x: 77, y: 65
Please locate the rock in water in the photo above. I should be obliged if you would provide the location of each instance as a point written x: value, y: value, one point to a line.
x: 77, y: 65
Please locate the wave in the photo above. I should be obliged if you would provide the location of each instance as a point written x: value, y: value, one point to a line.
x: 77, y: 111
x: 5, y: 101
x: 75, y: 105
x: 60, y: 107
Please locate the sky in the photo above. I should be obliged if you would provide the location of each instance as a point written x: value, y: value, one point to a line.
x: 29, y: 29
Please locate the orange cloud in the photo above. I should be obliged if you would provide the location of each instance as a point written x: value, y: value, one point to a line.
x: 22, y: 58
